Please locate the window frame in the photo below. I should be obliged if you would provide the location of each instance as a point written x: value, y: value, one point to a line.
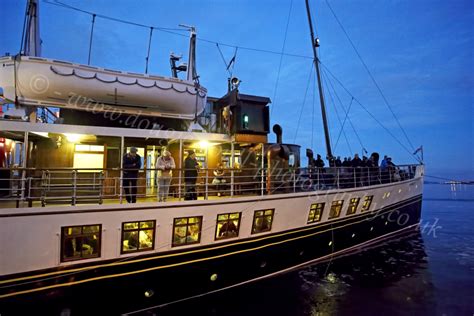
x: 368, y: 199
x: 173, y: 244
x: 336, y: 204
x: 82, y: 235
x: 227, y: 221
x: 317, y: 206
x: 263, y: 216
x: 122, y: 252
x: 353, y: 205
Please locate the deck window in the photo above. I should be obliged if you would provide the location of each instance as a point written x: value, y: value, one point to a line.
x: 80, y: 242
x: 187, y: 230
x: 367, y: 202
x: 353, y: 203
x: 227, y: 225
x: 138, y: 236
x: 315, y: 212
x: 262, y: 221
x: 336, y: 208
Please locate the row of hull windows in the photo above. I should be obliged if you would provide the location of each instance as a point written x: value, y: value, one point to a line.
x: 84, y: 242
x: 317, y: 209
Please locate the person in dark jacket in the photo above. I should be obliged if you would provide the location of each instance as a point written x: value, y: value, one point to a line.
x: 132, y: 162
x: 191, y: 167
x: 319, y: 163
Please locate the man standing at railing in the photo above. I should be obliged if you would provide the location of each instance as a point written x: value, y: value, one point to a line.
x: 191, y: 167
x: 131, y: 164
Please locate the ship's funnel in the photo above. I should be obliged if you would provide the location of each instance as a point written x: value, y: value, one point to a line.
x: 278, y: 132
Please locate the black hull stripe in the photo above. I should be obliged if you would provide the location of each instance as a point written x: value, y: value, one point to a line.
x: 187, y: 262
x: 284, y: 196
x: 364, y: 216
x: 334, y: 255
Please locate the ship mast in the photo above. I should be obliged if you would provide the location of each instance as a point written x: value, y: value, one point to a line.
x: 315, y: 44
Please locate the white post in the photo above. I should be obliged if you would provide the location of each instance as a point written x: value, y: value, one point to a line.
x: 232, y: 168
x: 122, y: 153
x: 23, y: 163
x: 180, y: 166
x: 262, y: 165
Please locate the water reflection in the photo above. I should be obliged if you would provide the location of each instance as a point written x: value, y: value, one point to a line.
x: 378, y: 280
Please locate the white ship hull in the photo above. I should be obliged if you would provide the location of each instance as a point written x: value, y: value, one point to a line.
x: 47, y: 82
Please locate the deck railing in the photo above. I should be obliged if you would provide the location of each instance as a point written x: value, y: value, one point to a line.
x: 21, y: 187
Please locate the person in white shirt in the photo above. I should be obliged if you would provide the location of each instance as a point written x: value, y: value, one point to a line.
x: 165, y: 165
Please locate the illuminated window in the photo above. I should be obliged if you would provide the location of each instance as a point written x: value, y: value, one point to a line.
x: 315, y: 212
x: 187, y: 230
x: 336, y: 207
x: 138, y: 236
x: 88, y: 156
x: 80, y: 242
x: 245, y: 121
x: 353, y: 203
x: 227, y: 225
x: 367, y: 201
x: 262, y: 221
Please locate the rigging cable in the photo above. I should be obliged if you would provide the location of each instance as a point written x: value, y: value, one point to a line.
x: 370, y: 74
x: 347, y: 112
x: 281, y: 59
x: 173, y: 31
x: 338, y: 117
x: 223, y: 59
x: 90, y: 39
x: 343, y: 124
x: 304, y: 101
x: 149, y: 47
x: 24, y: 28
x: 368, y: 112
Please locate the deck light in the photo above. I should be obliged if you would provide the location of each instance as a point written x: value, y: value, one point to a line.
x: 246, y: 121
x: 149, y: 293
x: 214, y: 277
x: 203, y: 144
x: 73, y: 138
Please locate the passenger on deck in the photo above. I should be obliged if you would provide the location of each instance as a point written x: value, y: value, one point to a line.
x: 191, y: 167
x: 131, y: 164
x: 218, y: 178
x: 165, y: 163
x: 319, y: 163
x: 338, y: 161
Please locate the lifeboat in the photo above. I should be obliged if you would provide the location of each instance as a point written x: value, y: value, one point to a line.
x: 48, y: 82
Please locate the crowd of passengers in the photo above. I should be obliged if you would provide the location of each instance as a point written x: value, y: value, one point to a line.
x: 356, y: 171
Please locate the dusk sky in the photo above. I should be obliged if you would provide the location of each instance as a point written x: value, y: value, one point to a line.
x: 419, y: 52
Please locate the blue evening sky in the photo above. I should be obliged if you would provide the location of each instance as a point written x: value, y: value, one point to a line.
x: 420, y: 53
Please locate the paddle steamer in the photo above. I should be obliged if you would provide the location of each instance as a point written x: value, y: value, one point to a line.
x: 68, y: 234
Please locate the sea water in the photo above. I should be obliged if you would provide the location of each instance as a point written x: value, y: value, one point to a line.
x: 426, y: 273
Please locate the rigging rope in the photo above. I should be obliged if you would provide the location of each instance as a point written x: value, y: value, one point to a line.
x: 304, y: 101
x: 342, y: 127
x: 223, y: 59
x: 338, y: 118
x: 281, y: 59
x: 90, y: 39
x: 149, y: 47
x: 347, y: 112
x: 370, y: 74
x: 368, y: 112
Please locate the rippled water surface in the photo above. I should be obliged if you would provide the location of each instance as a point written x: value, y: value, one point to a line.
x: 427, y: 273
